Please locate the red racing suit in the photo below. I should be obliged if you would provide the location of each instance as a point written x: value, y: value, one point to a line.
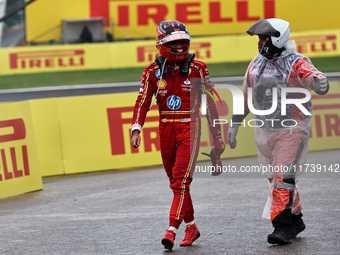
x: 281, y: 144
x: 178, y: 99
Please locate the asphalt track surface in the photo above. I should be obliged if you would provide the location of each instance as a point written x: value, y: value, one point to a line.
x: 8, y: 95
x: 126, y: 212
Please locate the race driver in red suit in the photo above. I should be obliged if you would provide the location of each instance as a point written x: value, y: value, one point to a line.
x: 177, y: 81
x: 283, y: 142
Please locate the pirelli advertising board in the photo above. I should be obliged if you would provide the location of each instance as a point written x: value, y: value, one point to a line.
x: 92, y: 133
x: 216, y: 49
x: 19, y: 164
x: 137, y: 19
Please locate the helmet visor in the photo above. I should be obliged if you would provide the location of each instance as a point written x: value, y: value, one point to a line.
x: 175, y: 36
x: 263, y: 27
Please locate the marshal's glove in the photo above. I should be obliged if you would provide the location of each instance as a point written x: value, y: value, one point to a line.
x: 320, y: 85
x: 231, y: 136
x: 216, y: 150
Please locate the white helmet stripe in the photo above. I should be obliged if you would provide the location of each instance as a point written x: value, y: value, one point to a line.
x: 175, y: 36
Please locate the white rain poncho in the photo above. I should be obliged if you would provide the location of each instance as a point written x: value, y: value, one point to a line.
x: 281, y: 139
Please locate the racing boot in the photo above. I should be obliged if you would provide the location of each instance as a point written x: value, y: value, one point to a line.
x: 297, y: 225
x: 281, y: 235
x: 191, y: 234
x: 168, y: 239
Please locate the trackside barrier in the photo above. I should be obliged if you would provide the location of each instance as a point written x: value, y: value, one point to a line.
x: 92, y: 133
x: 138, y: 19
x: 19, y: 165
x: 215, y: 49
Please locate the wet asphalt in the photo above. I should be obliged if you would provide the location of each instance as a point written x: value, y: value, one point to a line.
x: 126, y: 212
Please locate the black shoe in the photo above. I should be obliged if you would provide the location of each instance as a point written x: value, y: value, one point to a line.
x: 297, y: 227
x: 281, y: 235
